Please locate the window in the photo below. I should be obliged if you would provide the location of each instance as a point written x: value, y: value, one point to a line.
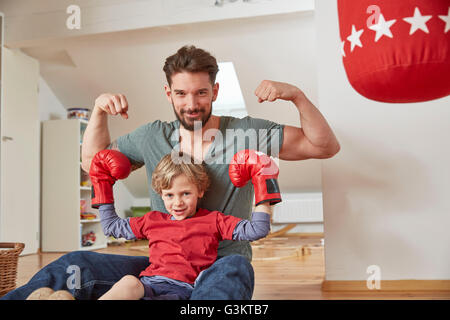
x: 229, y: 101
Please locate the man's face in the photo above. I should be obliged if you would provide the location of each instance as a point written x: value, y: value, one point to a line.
x: 191, y: 95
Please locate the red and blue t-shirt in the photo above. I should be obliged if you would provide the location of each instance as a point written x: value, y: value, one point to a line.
x: 181, y: 249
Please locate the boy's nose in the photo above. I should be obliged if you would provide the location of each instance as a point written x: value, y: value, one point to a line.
x: 178, y: 201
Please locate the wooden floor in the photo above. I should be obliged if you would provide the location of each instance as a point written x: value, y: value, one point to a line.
x: 282, y: 271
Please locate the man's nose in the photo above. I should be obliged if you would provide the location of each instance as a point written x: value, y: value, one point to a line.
x: 191, y: 102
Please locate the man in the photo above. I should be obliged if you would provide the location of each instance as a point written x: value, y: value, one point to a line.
x: 191, y: 89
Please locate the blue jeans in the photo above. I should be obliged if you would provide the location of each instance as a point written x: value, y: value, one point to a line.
x: 229, y: 278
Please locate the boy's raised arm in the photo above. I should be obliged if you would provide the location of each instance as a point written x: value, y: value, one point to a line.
x: 258, y: 227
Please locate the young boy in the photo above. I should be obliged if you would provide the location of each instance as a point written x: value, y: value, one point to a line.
x: 184, y: 242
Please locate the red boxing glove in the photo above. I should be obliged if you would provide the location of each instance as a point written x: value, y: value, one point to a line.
x: 261, y: 169
x: 107, y: 166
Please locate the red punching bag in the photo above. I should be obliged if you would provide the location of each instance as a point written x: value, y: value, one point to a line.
x: 396, y: 50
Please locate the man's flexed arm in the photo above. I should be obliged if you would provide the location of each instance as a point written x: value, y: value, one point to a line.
x: 314, y: 139
x: 96, y: 137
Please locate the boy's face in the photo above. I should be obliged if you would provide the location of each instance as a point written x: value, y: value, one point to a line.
x: 181, y: 199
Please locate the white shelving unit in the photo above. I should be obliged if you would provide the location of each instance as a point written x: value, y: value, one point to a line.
x: 62, y: 190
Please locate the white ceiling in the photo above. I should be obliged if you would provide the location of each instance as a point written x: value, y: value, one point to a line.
x: 278, y: 47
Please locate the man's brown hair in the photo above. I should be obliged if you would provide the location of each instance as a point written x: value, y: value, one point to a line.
x: 191, y: 59
x: 168, y: 169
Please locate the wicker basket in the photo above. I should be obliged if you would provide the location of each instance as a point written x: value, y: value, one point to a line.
x: 8, y: 265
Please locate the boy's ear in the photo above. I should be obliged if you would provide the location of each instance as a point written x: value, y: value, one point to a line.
x: 201, y: 194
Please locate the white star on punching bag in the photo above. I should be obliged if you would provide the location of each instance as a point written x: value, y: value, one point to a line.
x: 354, y: 38
x: 382, y: 28
x: 417, y: 22
x: 446, y: 19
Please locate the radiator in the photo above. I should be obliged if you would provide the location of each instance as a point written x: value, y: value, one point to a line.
x: 299, y: 208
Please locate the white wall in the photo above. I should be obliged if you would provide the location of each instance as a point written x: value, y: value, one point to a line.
x: 50, y: 108
x: 30, y: 22
x: 386, y: 194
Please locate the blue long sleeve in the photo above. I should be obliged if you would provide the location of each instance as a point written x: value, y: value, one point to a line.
x: 113, y: 225
x: 257, y: 228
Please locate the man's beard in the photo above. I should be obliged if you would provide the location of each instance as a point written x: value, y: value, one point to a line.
x: 190, y: 126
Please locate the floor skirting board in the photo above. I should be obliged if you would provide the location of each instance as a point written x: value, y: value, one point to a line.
x: 387, y: 285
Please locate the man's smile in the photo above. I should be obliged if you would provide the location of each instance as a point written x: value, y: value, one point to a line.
x: 192, y: 114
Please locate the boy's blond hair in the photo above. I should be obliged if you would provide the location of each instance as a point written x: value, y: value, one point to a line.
x: 167, y: 170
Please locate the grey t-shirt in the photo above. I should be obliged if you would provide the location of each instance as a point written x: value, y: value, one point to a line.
x: 152, y: 141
